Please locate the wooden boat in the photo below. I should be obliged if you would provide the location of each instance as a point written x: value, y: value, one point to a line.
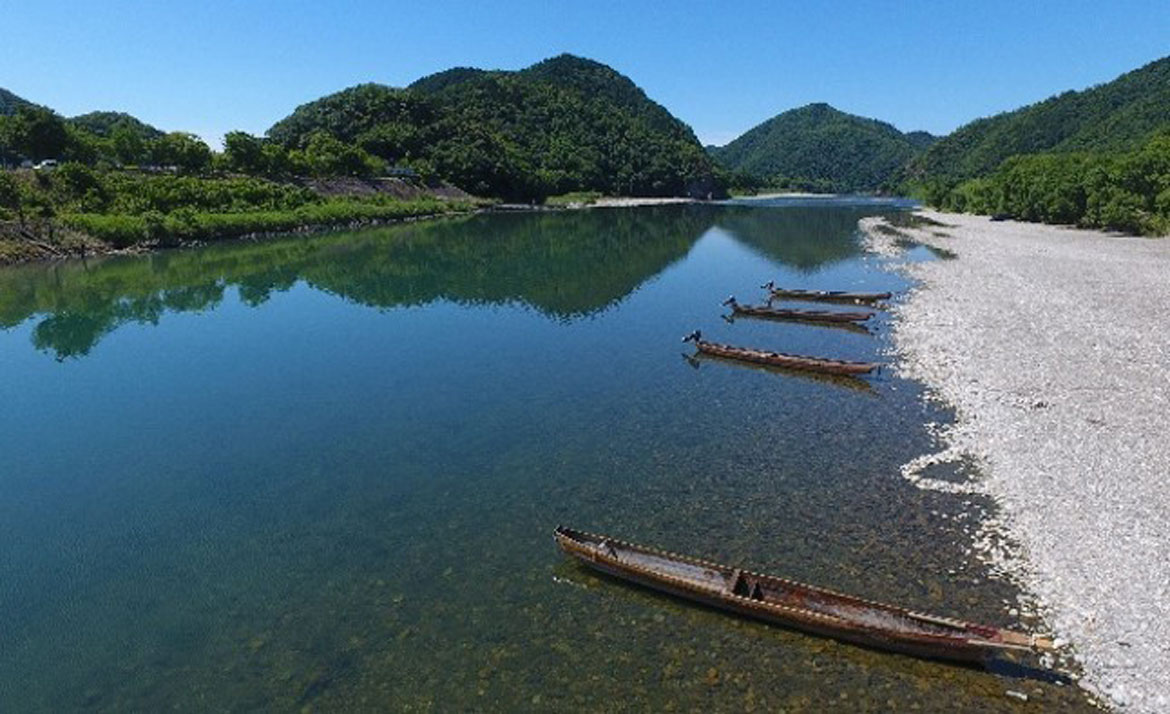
x: 779, y: 359
x: 823, y: 295
x: 792, y: 604
x: 794, y: 314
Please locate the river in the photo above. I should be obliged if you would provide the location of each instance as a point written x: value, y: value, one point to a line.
x: 323, y: 472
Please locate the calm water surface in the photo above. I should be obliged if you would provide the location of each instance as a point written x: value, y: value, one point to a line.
x: 321, y: 474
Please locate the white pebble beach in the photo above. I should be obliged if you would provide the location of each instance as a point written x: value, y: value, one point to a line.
x: 1052, y: 345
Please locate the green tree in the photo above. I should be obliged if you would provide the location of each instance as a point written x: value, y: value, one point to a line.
x: 128, y: 145
x: 9, y: 154
x: 39, y: 133
x: 392, y: 141
x: 11, y: 200
x: 245, y: 153
x: 327, y: 156
x: 85, y: 147
x: 184, y: 151
x: 276, y: 160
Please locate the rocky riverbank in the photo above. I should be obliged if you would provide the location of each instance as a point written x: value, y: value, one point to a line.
x: 1047, y: 342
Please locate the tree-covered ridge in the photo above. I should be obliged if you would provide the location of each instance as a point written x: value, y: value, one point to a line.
x: 821, y: 147
x: 353, y: 113
x: 565, y: 124
x: 1127, y: 191
x: 1117, y: 116
x: 103, y: 124
x: 10, y: 102
x: 921, y: 140
x: 125, y: 208
x: 594, y: 79
x: 439, y: 81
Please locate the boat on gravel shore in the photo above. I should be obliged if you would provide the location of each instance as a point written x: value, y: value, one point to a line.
x: 779, y: 359
x: 792, y: 604
x: 823, y: 295
x: 799, y: 315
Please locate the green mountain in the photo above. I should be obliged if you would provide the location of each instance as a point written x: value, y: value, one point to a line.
x: 102, y: 124
x: 9, y: 102
x: 1117, y: 116
x: 921, y: 140
x: 439, y: 81
x: 822, y: 147
x: 564, y: 124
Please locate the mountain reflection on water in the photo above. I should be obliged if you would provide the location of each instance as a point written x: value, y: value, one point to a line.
x: 567, y: 265
x: 321, y: 473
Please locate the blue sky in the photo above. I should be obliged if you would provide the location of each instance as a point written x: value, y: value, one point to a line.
x: 211, y: 66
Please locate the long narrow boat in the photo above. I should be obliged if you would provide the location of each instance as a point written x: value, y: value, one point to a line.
x: 792, y: 604
x: 779, y: 359
x: 823, y: 295
x: 697, y: 360
x: 795, y: 314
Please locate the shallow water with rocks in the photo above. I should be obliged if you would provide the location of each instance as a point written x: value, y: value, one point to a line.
x: 322, y: 473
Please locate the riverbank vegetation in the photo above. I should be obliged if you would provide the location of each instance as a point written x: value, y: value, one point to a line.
x: 78, y: 209
x: 1099, y: 158
x: 1128, y: 191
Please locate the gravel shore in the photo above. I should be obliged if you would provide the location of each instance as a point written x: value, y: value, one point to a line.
x: 631, y: 202
x: 1052, y: 346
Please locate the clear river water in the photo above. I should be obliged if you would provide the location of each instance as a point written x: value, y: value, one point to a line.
x: 322, y: 473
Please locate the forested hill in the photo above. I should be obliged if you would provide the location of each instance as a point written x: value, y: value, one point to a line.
x: 9, y: 102
x: 103, y: 124
x: 1117, y: 116
x: 823, y: 148
x: 921, y: 140
x: 564, y: 124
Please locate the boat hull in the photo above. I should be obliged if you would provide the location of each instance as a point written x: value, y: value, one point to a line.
x: 779, y: 359
x: 973, y: 643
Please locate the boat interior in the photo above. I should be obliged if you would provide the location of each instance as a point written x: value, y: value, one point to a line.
x: 775, y: 591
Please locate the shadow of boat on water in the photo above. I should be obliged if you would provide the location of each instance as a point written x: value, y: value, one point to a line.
x: 854, y: 327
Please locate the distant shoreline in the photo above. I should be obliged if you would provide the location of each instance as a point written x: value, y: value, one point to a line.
x: 74, y: 243
x: 77, y: 244
x: 787, y: 194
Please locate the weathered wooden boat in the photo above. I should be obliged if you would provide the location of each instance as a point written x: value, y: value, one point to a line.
x: 823, y: 295
x: 698, y: 359
x: 779, y: 359
x: 778, y: 313
x: 792, y: 604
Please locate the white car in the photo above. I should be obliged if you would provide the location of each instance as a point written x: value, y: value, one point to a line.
x: 46, y: 165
